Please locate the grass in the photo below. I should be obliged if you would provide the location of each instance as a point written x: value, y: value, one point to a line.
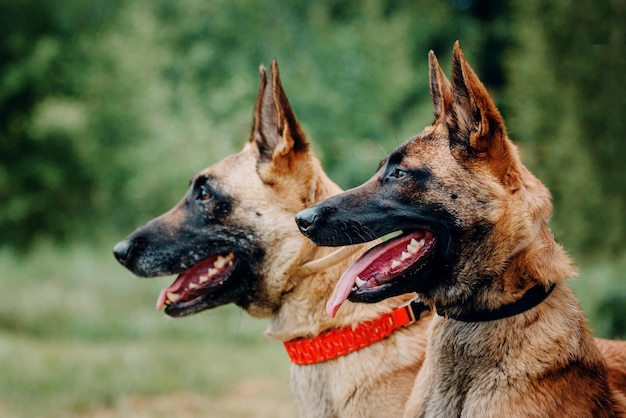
x: 79, y: 336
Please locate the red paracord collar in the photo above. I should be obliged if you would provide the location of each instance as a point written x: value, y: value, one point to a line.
x: 341, y: 341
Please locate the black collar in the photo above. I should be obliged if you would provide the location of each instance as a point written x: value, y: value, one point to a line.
x: 533, y: 297
x: 416, y: 308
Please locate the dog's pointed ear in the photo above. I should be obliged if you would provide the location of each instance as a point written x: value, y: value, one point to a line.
x: 476, y: 123
x: 276, y: 132
x: 440, y: 87
x: 257, y: 106
x: 474, y: 114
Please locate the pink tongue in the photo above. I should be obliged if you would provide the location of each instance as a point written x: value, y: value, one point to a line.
x: 348, y: 278
x: 173, y: 288
x: 375, y: 265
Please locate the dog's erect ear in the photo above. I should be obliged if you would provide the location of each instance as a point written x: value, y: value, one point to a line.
x: 440, y: 87
x: 475, y: 115
x: 257, y: 106
x: 477, y: 123
x: 276, y: 132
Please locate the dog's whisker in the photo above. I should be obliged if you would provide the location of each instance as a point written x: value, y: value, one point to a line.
x: 368, y: 231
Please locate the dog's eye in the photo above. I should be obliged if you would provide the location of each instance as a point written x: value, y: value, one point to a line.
x: 205, y: 195
x: 398, y: 174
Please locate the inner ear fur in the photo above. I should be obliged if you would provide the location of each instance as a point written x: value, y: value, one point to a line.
x: 256, y: 123
x: 440, y: 87
x: 477, y: 116
x: 276, y: 132
x: 476, y: 123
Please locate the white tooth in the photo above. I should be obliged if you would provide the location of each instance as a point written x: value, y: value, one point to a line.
x: 211, y: 272
x: 192, y: 285
x: 359, y: 282
x: 415, y: 246
x: 405, y: 255
x: 204, y: 279
x: 172, y: 296
x: 395, y: 263
x: 221, y: 260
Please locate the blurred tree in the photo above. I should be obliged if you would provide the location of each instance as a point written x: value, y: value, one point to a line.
x: 108, y: 107
x: 45, y: 184
x: 567, y: 78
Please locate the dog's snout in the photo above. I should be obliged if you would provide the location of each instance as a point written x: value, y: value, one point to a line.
x: 306, y: 218
x: 121, y: 251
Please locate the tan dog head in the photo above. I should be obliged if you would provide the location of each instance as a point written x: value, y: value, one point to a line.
x: 232, y: 239
x: 459, y: 194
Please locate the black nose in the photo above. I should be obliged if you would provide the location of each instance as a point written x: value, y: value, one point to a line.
x: 121, y: 251
x: 305, y: 218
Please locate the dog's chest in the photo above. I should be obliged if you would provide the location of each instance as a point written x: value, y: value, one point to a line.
x: 471, y: 367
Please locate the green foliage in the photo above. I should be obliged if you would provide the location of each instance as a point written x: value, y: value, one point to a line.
x: 602, y: 291
x: 567, y: 77
x: 43, y: 168
x: 107, y: 108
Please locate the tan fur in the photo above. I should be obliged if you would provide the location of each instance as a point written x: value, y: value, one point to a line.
x: 542, y: 362
x: 274, y: 177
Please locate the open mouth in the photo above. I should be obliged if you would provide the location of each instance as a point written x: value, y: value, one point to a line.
x: 191, y: 286
x: 379, y: 266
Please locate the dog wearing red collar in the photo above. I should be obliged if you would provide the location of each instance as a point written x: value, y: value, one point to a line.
x: 232, y: 239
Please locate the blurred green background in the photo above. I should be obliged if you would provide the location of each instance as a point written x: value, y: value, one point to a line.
x: 107, y: 108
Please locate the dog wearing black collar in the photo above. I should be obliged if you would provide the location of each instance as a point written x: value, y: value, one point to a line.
x: 472, y: 239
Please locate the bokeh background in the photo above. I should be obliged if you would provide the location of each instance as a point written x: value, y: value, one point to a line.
x: 108, y: 107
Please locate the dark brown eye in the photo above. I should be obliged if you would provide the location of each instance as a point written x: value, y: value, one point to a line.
x: 398, y: 174
x: 205, y: 195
